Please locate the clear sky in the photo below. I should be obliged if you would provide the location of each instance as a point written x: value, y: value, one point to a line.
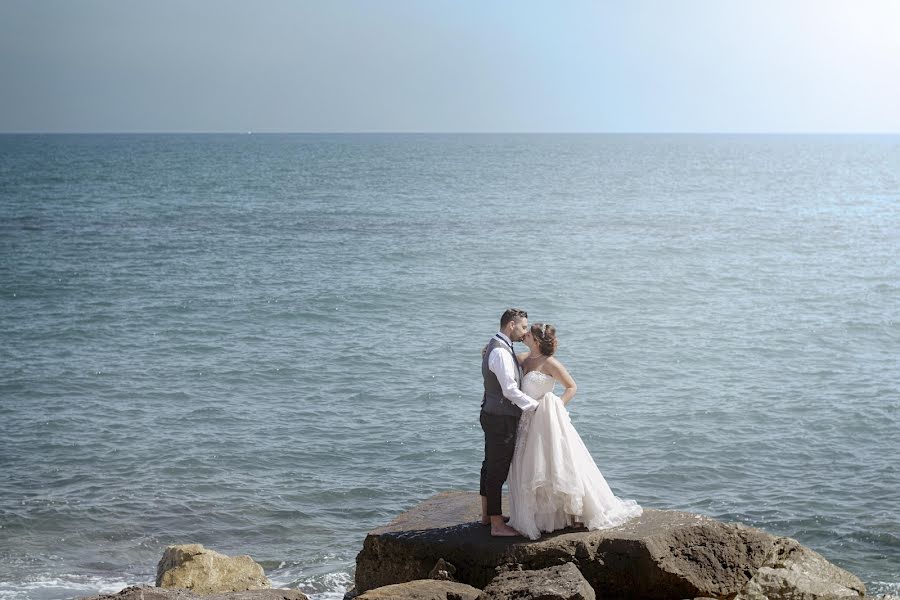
x: 450, y: 65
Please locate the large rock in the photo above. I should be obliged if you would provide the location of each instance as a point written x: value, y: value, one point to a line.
x: 795, y: 572
x: 156, y: 593
x: 660, y: 555
x: 564, y: 582
x: 193, y: 567
x: 423, y: 589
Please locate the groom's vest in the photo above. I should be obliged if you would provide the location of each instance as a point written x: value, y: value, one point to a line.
x: 494, y: 402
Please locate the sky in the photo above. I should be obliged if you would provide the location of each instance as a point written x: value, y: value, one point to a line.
x: 758, y: 66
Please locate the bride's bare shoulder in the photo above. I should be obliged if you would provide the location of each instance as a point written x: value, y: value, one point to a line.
x: 554, y: 362
x: 559, y: 371
x: 523, y: 355
x: 555, y: 366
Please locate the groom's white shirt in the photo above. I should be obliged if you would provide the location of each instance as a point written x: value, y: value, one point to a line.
x: 503, y: 365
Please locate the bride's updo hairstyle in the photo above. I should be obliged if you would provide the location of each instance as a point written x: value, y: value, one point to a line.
x: 545, y: 335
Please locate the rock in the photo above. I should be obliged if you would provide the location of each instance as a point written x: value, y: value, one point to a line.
x: 801, y: 574
x: 193, y: 567
x: 442, y: 570
x: 423, y: 589
x: 564, y: 582
x: 659, y: 555
x: 156, y: 593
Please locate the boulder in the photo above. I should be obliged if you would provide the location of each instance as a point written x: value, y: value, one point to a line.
x: 193, y: 567
x: 563, y: 582
x: 660, y: 555
x: 801, y: 574
x: 423, y: 589
x: 156, y: 593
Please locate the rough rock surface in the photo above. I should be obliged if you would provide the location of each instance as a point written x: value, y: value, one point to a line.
x: 193, y: 567
x: 155, y: 593
x: 795, y: 572
x: 442, y: 570
x: 564, y: 582
x: 423, y: 589
x: 660, y: 555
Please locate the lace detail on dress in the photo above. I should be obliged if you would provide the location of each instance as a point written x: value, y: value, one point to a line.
x: 536, y: 384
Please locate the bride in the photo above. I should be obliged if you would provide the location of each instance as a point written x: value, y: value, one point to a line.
x: 553, y: 481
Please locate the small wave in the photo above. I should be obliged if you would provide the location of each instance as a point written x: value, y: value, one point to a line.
x: 883, y: 587
x: 53, y: 587
x: 316, y: 585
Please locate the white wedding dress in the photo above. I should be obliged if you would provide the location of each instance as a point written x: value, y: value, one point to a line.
x: 553, y: 481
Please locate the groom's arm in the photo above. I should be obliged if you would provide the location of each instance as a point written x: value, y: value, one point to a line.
x: 501, y: 364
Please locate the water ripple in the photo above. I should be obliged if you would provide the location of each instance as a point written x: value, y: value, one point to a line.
x: 271, y: 346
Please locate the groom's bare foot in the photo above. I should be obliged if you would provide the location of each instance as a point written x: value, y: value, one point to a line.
x: 487, y: 520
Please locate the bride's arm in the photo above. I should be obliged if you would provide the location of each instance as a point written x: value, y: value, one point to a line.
x: 522, y: 356
x: 560, y: 374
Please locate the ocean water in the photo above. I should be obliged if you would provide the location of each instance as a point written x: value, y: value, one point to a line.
x: 270, y: 344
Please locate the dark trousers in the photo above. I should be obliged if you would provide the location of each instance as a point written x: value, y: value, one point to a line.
x: 499, y: 444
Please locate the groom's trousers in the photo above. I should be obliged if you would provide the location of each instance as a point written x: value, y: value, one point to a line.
x: 499, y: 445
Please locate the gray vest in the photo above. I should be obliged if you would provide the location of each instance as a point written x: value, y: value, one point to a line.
x: 494, y: 402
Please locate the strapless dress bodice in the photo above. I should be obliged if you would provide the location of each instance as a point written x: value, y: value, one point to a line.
x: 536, y: 384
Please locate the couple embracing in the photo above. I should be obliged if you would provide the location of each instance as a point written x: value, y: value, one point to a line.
x: 529, y: 440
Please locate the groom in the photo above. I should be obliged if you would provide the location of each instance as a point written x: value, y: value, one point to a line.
x: 501, y: 408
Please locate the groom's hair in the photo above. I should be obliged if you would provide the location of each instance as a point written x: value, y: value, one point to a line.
x: 510, y: 314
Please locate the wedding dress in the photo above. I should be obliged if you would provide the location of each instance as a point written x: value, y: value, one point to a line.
x: 553, y: 481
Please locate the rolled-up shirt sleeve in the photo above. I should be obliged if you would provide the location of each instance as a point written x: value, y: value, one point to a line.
x: 501, y: 364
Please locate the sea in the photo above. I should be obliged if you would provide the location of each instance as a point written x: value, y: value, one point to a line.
x: 271, y: 344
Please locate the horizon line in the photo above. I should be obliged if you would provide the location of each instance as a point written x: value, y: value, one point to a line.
x: 401, y: 132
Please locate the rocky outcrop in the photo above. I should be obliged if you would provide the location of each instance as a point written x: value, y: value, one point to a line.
x: 156, y: 593
x: 660, y: 555
x: 564, y: 582
x: 193, y: 567
x: 795, y: 572
x: 423, y: 589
